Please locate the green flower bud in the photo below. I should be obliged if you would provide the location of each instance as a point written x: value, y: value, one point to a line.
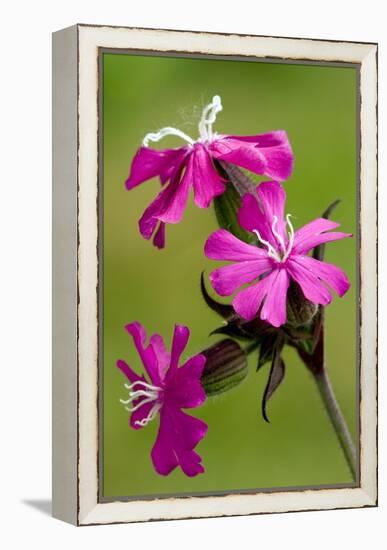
x: 225, y: 368
x: 299, y: 310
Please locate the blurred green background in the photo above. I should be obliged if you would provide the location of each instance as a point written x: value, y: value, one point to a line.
x: 316, y: 105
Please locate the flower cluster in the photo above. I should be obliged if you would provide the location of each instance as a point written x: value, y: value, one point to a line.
x: 274, y: 271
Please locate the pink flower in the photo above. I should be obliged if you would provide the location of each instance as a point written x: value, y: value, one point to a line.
x: 168, y: 390
x: 192, y: 166
x: 281, y: 257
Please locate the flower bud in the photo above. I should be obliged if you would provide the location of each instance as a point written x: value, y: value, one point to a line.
x: 225, y: 368
x: 299, y: 310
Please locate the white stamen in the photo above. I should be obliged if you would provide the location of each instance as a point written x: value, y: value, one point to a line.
x: 272, y: 252
x: 143, y: 384
x: 143, y: 402
x: 137, y: 394
x: 270, y: 249
x: 149, y: 392
x: 152, y: 414
x: 276, y: 234
x: 205, y: 124
x: 290, y: 237
x: 167, y: 131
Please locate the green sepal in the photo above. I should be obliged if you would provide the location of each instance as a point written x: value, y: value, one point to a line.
x: 299, y: 310
x: 226, y: 367
x: 227, y: 205
x: 266, y: 349
x: 224, y: 310
x: 276, y: 375
x: 226, y: 208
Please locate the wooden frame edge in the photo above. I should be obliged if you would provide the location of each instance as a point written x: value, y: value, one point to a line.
x: 64, y: 275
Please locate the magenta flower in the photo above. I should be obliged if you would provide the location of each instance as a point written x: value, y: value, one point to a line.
x: 281, y: 257
x: 192, y: 166
x: 169, y: 390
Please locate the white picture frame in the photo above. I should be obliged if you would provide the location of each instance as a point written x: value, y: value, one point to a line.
x: 75, y: 424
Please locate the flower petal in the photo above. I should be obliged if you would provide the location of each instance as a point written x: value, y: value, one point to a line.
x: 179, y: 342
x: 207, y: 183
x: 269, y: 154
x: 149, y: 221
x: 159, y: 237
x: 314, y: 233
x: 147, y: 354
x: 148, y: 163
x: 226, y: 280
x: 274, y: 308
x: 248, y: 301
x: 175, y: 205
x: 142, y: 412
x: 265, y: 212
x: 191, y: 463
x: 164, y: 456
x: 159, y: 206
x: 278, y: 153
x: 311, y: 286
x: 128, y: 372
x: 329, y: 273
x: 242, y: 153
x: 222, y: 245
x: 168, y: 207
x: 163, y: 356
x: 178, y: 435
x: 250, y: 215
x: 168, y: 172
x: 272, y: 198
x: 184, y: 387
x: 192, y: 429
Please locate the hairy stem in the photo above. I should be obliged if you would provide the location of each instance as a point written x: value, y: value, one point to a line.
x: 315, y: 362
x: 336, y: 417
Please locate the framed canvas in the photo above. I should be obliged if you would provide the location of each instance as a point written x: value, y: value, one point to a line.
x: 214, y: 330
